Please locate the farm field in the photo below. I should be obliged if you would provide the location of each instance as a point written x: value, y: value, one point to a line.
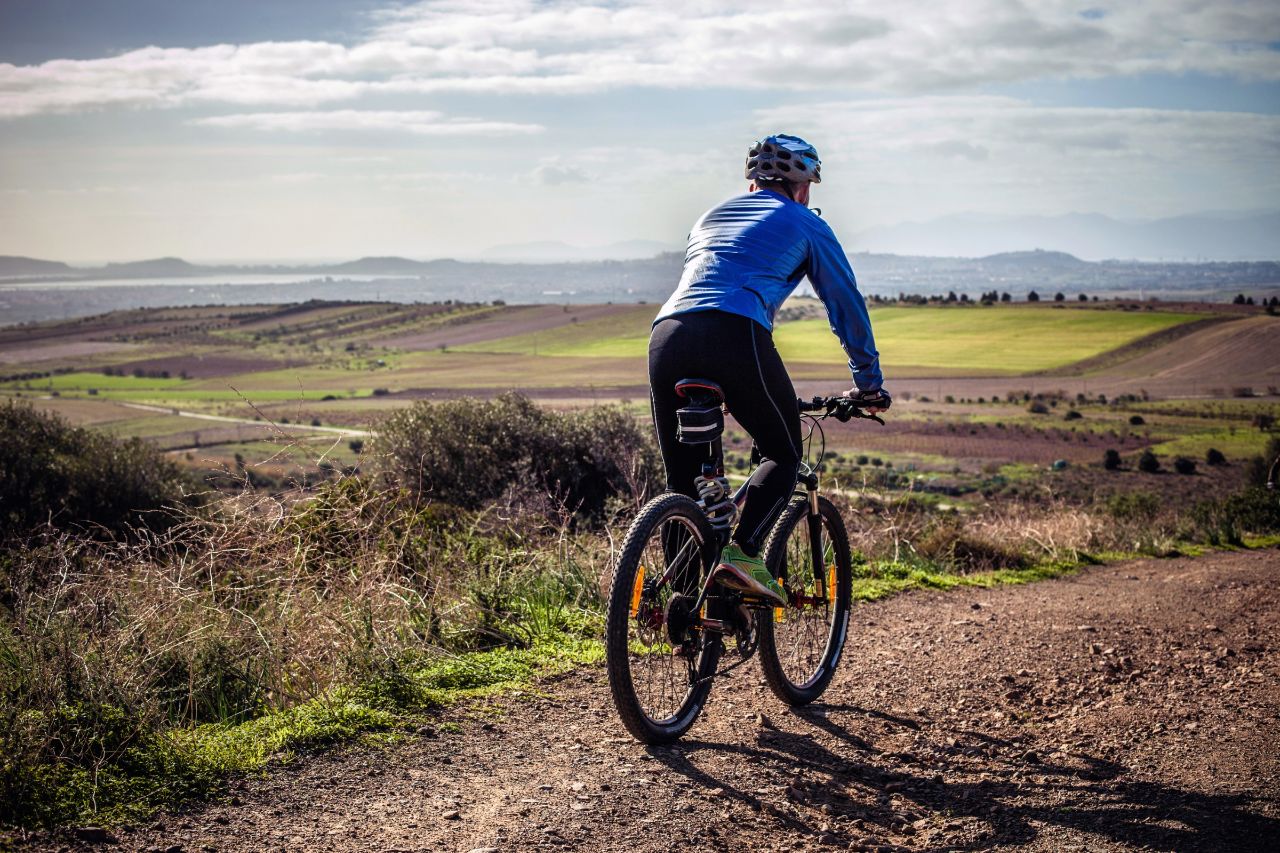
x: 983, y: 340
x: 278, y: 384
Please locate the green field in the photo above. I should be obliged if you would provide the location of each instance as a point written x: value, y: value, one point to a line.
x: 982, y: 340
x: 998, y: 341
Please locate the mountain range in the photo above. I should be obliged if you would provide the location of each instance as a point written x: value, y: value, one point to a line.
x: 1091, y: 236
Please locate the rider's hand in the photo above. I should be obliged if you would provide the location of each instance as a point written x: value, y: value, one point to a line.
x: 879, y: 399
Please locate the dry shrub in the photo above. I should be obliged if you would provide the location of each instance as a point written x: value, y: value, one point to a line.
x: 959, y: 548
x: 219, y: 618
x: 1054, y: 533
x: 258, y: 605
x: 1011, y: 535
x: 471, y: 452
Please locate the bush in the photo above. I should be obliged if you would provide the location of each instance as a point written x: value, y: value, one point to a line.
x: 954, y: 549
x: 1226, y: 520
x: 1133, y: 506
x: 1183, y: 465
x: 1111, y: 459
x: 1136, y: 420
x: 1038, y: 408
x: 54, y: 473
x: 468, y: 452
x: 1072, y: 415
x: 1148, y: 462
x: 1259, y: 467
x: 1215, y: 457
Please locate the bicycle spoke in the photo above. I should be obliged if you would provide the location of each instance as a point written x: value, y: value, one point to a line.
x: 660, y: 675
x: 802, y: 632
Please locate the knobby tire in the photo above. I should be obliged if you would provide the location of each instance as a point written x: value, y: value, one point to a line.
x: 794, y: 670
x: 637, y: 549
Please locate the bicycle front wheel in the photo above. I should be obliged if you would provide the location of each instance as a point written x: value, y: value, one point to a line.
x: 660, y: 666
x: 800, y: 644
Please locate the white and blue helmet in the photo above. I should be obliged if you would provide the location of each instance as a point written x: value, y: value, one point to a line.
x: 783, y: 158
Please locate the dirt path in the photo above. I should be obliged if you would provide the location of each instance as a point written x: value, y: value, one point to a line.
x: 1130, y: 707
x: 353, y: 432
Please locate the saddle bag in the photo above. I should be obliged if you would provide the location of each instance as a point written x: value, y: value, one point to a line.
x: 699, y: 424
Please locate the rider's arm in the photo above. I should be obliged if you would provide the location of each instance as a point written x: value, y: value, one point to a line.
x: 833, y: 280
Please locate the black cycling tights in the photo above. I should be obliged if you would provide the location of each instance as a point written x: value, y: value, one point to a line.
x: 738, y: 354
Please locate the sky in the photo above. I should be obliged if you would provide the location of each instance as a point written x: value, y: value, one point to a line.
x: 291, y: 130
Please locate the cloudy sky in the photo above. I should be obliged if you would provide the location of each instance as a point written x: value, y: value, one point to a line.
x: 310, y: 129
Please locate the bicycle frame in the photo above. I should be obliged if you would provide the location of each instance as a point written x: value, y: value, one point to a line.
x: 808, y: 478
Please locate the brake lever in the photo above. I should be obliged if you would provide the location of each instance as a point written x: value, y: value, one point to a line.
x: 844, y: 412
x: 855, y: 412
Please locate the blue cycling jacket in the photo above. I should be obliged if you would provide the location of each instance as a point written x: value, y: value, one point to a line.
x: 747, y: 255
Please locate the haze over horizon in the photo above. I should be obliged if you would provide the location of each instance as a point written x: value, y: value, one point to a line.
x: 323, y: 130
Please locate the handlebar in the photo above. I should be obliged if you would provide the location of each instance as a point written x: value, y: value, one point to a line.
x: 842, y: 409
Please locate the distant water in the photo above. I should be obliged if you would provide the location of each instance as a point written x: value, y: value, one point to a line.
x: 41, y: 301
x: 193, y: 281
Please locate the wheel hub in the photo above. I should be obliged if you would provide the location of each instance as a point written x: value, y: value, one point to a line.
x: 679, y: 618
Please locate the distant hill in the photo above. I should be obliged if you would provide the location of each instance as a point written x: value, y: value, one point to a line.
x: 152, y: 268
x: 378, y: 266
x: 1205, y: 236
x: 1034, y: 260
x: 12, y: 266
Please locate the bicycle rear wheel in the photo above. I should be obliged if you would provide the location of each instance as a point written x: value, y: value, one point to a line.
x: 659, y: 669
x: 800, y: 644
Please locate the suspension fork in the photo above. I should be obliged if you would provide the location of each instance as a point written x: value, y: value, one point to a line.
x: 817, y: 552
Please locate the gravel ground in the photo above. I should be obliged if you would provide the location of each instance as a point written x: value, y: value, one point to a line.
x: 1129, y: 707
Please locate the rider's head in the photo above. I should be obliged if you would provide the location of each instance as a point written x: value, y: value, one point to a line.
x: 786, y: 164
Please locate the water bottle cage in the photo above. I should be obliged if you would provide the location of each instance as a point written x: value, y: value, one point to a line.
x: 716, y: 501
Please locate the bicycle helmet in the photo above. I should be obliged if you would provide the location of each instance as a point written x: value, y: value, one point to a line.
x: 783, y: 158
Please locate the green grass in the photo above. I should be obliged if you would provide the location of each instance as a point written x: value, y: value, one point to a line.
x: 1238, y: 444
x: 997, y: 341
x: 147, y: 770
x: 84, y: 380
x: 872, y: 583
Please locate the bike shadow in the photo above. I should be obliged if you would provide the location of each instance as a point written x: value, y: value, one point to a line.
x: 1000, y: 792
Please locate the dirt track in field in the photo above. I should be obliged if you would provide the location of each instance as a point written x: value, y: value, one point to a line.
x: 1129, y: 707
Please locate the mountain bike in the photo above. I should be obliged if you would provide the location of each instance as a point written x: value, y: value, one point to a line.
x: 670, y: 623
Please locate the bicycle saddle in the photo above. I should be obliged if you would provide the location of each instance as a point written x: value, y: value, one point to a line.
x: 700, y: 391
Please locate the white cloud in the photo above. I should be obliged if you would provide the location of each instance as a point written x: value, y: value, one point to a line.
x: 527, y: 47
x: 421, y: 122
x: 936, y: 155
x: 554, y: 173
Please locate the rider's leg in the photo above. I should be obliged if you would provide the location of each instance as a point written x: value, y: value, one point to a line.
x: 737, y: 353
x: 763, y: 401
x: 669, y: 361
x: 672, y: 358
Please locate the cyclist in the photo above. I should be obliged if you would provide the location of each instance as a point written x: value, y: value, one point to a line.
x: 745, y: 256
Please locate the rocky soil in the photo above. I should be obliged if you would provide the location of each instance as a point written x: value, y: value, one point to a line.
x: 1129, y: 707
